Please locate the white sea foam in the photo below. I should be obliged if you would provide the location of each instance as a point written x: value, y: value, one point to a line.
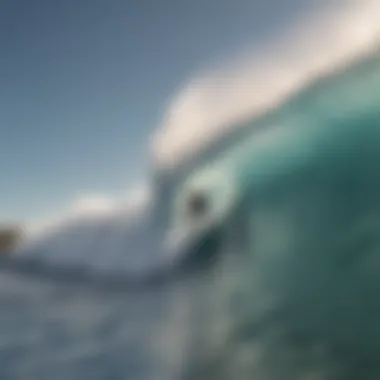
x: 214, y: 102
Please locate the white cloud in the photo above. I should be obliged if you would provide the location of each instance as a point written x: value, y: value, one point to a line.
x: 92, y: 206
x: 214, y: 102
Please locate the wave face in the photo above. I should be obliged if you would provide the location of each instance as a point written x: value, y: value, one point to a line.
x: 283, y: 226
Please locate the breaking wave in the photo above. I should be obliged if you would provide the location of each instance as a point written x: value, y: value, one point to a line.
x: 114, y: 244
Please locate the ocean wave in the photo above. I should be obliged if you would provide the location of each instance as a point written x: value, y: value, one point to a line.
x: 112, y: 242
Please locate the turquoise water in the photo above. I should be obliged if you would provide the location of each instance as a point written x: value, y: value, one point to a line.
x: 276, y: 278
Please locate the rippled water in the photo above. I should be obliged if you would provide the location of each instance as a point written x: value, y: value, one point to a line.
x: 72, y: 332
x: 78, y: 330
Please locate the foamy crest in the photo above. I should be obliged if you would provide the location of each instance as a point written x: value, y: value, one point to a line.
x: 257, y: 81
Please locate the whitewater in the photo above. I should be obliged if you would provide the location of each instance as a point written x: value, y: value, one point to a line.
x: 256, y: 254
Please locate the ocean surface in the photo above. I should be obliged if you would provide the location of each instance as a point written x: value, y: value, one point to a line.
x: 272, y: 274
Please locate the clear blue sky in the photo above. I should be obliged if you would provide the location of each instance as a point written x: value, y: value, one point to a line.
x: 84, y: 82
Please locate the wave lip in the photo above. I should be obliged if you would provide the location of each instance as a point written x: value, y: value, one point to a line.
x: 217, y: 102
